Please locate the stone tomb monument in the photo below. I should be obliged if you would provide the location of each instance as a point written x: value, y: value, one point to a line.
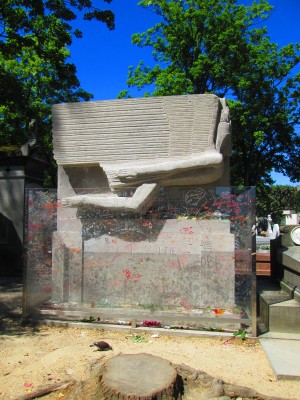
x: 128, y: 171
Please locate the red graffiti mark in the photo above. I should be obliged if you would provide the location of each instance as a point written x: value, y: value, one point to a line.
x: 49, y: 206
x: 127, y: 273
x: 146, y: 222
x: 130, y: 276
x: 188, y: 230
x: 218, y: 311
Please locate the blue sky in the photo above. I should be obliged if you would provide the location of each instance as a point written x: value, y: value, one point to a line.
x: 102, y: 57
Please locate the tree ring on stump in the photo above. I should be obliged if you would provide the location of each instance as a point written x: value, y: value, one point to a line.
x: 139, y: 376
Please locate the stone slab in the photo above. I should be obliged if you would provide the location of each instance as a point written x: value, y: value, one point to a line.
x: 285, y: 317
x: 284, y: 356
x: 290, y: 258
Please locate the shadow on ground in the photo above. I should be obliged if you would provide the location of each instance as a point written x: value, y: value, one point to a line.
x: 11, y: 320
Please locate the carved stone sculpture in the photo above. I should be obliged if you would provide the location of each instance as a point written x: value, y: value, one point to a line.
x: 141, y: 143
x: 125, y: 169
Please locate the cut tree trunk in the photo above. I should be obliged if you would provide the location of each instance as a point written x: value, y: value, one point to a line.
x: 140, y: 377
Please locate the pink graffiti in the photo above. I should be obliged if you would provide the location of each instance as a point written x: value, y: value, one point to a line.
x: 130, y: 246
x: 188, y: 230
x: 183, y: 259
x: 172, y: 264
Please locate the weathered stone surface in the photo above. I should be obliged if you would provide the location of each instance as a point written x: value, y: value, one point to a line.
x: 141, y: 197
x: 169, y: 141
x: 190, y: 265
x: 160, y: 127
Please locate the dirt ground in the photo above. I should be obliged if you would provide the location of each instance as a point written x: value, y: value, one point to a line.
x: 35, y: 356
x: 31, y: 357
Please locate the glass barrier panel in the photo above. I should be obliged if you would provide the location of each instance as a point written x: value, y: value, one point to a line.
x: 183, y: 261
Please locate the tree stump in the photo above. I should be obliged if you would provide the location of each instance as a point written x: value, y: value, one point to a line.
x: 140, y: 377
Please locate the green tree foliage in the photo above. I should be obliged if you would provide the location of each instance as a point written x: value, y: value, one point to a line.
x: 34, y: 68
x: 297, y: 201
x: 218, y: 46
x: 273, y: 200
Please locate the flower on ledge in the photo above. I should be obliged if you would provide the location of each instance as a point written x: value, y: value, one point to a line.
x: 218, y: 311
x: 151, y: 323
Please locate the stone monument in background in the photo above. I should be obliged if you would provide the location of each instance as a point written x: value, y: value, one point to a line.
x: 123, y: 168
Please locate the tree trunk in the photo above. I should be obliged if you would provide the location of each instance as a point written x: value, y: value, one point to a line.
x: 43, y: 391
x: 140, y: 377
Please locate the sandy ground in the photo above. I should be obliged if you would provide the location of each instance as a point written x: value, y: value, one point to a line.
x: 34, y: 356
